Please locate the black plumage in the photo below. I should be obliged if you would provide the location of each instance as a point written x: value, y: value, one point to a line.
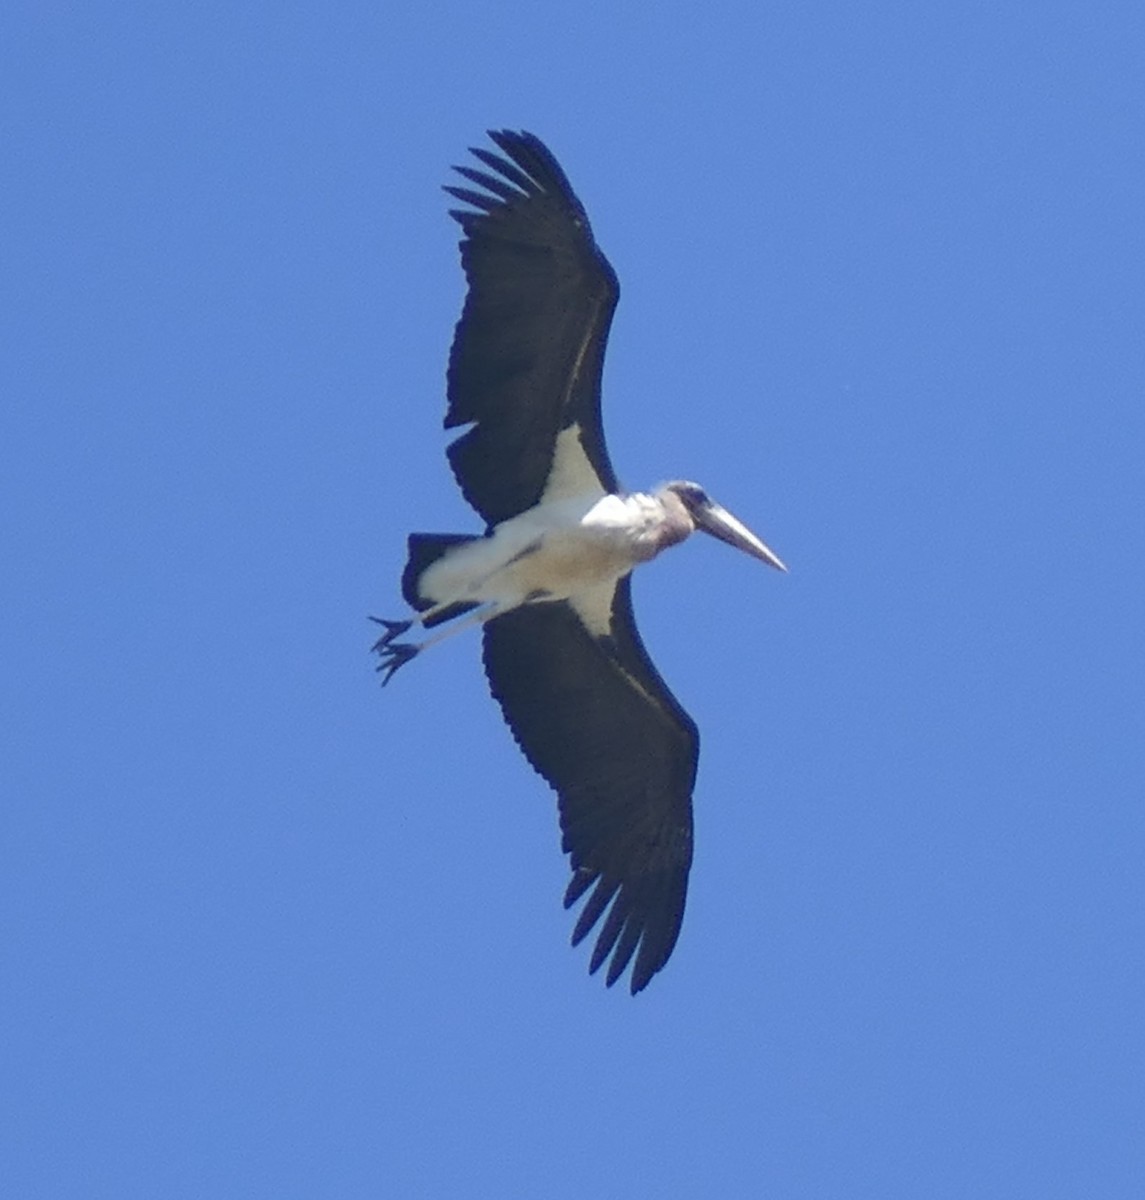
x: 529, y: 348
x: 596, y: 720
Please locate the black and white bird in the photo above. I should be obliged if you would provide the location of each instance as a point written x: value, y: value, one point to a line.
x: 549, y: 579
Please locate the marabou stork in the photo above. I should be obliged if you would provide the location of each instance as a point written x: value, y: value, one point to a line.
x: 549, y: 580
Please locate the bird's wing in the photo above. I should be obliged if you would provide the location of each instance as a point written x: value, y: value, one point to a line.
x: 594, y: 717
x: 527, y: 355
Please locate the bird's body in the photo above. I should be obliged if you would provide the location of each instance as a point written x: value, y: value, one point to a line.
x: 550, y: 579
x: 555, y: 551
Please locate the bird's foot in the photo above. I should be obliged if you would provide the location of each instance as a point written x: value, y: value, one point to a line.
x: 394, y: 655
x: 393, y: 629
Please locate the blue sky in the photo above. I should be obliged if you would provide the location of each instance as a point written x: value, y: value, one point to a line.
x: 268, y: 931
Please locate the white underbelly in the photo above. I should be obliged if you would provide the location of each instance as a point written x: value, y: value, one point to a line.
x: 567, y: 563
x: 541, y: 552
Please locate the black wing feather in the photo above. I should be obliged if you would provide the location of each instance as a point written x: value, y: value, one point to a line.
x: 529, y: 348
x: 504, y: 167
x: 595, y: 718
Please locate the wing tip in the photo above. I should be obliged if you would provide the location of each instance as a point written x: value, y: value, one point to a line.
x: 643, y: 927
x: 529, y: 165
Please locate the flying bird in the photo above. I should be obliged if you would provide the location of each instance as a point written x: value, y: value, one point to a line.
x: 549, y: 580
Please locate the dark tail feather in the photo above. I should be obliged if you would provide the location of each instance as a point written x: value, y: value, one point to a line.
x: 424, y: 550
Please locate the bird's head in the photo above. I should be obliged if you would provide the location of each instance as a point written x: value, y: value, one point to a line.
x: 713, y: 518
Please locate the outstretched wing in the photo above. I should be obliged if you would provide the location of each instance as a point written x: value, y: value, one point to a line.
x: 594, y: 717
x: 527, y: 355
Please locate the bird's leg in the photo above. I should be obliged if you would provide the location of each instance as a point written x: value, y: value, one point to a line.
x: 429, y: 616
x: 395, y: 629
x: 396, y: 654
